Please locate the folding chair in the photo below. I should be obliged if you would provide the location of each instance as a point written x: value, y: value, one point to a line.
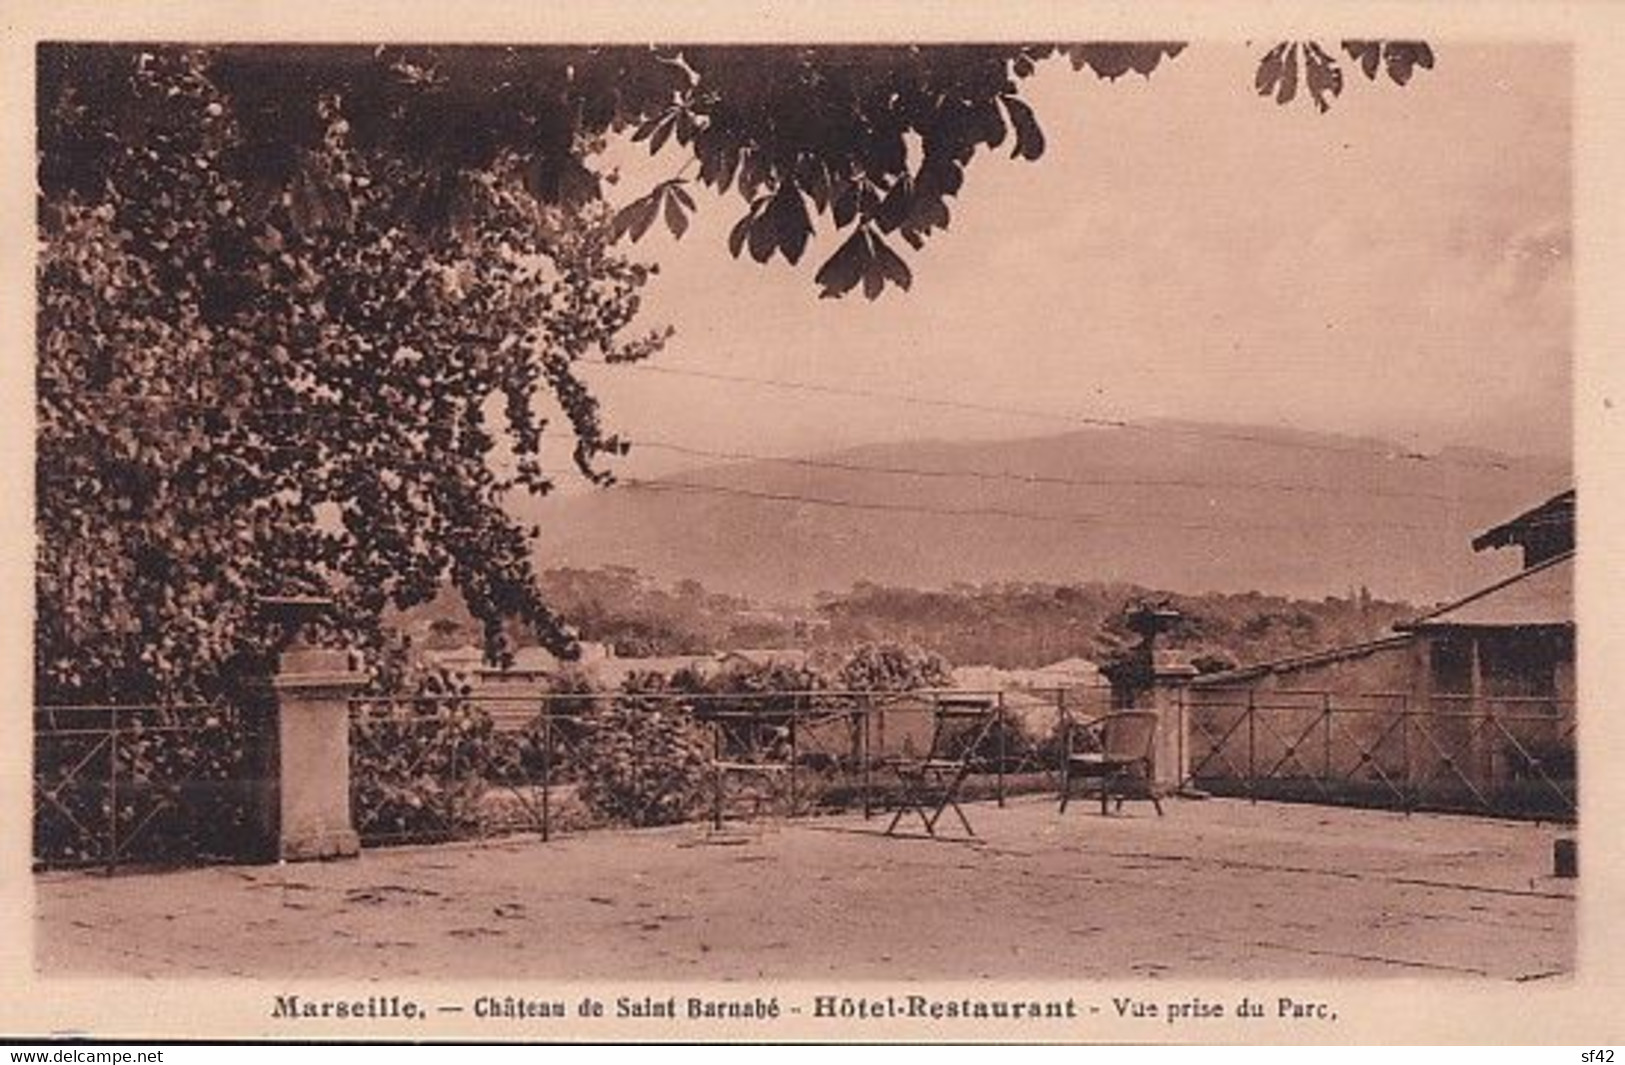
x: 1117, y: 750
x: 930, y: 781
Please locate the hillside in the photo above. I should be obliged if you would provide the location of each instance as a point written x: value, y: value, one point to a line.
x: 1179, y: 506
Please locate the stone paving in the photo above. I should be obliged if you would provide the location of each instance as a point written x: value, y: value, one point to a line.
x: 1216, y: 889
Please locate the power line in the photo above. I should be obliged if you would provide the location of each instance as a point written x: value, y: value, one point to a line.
x: 865, y: 393
x: 667, y: 484
x: 1166, y: 429
x: 313, y: 450
x: 1086, y: 520
x: 853, y: 467
x: 1035, y: 479
x: 1053, y: 416
x: 397, y: 461
x: 1082, y: 520
x: 1095, y: 521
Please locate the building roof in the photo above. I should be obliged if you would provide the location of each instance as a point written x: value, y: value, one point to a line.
x: 1553, y: 517
x: 1540, y: 595
x: 1293, y: 662
x: 1072, y: 673
x: 766, y: 656
x: 532, y: 660
x: 466, y: 656
x: 991, y: 678
x: 1070, y: 665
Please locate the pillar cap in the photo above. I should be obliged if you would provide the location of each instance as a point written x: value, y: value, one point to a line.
x: 324, y: 680
x: 1152, y: 619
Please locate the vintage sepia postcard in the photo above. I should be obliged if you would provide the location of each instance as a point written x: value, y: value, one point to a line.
x: 755, y: 523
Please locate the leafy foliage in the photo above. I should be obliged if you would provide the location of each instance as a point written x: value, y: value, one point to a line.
x: 620, y: 607
x: 796, y: 132
x: 1399, y: 58
x: 765, y: 678
x: 644, y: 760
x: 420, y: 769
x: 301, y: 309
x: 1026, y: 625
x: 246, y: 391
x: 802, y: 134
x: 892, y: 667
x: 1322, y: 76
x: 1012, y: 625
x: 156, y: 784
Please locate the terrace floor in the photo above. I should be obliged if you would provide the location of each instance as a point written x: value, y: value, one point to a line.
x: 1216, y: 889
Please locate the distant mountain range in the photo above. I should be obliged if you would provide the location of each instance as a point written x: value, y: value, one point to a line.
x: 1179, y: 506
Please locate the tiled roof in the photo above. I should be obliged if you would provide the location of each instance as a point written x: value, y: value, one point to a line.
x: 1540, y: 595
x: 1304, y: 661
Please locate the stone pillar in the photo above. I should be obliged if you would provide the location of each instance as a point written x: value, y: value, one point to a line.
x: 1153, y: 678
x: 301, y: 755
x: 1166, y: 698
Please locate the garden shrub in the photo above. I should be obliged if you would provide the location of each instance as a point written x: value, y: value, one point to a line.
x: 893, y: 667
x: 571, y: 696
x: 418, y: 768
x: 198, y: 773
x: 644, y: 759
x: 1010, y: 739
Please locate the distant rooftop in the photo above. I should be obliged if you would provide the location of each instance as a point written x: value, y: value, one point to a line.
x: 794, y: 657
x: 1070, y: 665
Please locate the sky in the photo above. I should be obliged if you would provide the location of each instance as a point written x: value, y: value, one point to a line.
x: 1398, y: 267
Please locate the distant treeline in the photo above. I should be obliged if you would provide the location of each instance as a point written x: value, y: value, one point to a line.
x: 1010, y: 625
x: 1026, y: 625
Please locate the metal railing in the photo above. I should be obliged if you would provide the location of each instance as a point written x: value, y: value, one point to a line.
x: 117, y: 785
x: 479, y: 764
x: 428, y: 768
x: 136, y: 784
x: 1509, y: 756
x: 120, y: 785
